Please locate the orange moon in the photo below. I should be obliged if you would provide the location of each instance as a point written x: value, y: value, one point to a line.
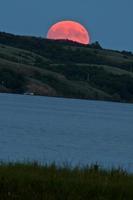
x: 69, y: 30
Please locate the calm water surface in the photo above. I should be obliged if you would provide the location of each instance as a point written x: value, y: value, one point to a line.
x: 66, y: 130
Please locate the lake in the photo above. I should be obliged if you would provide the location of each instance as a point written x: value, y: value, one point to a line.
x: 81, y: 132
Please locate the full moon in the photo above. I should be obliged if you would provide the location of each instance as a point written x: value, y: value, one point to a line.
x: 69, y: 30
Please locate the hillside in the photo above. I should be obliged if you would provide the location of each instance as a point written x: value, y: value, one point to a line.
x: 64, y: 69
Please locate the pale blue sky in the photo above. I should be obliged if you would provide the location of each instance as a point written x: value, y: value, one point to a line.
x: 109, y: 21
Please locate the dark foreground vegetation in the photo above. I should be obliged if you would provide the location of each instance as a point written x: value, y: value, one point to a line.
x: 35, y: 182
x: 64, y: 69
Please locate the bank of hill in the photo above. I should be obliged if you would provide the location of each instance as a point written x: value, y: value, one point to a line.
x: 64, y: 69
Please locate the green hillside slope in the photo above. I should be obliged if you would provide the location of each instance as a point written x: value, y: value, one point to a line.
x: 64, y: 69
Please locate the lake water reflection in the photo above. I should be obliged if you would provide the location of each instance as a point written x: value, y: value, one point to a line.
x: 66, y: 130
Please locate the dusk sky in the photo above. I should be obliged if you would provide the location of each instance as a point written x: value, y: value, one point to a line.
x: 108, y: 21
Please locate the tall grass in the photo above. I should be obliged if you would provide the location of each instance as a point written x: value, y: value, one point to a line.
x: 32, y: 181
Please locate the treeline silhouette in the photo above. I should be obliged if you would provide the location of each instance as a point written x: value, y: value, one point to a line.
x: 65, y: 51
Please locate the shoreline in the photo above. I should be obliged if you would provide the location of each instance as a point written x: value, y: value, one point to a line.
x: 67, y: 98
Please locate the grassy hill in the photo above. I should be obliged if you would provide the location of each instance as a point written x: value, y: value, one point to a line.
x: 64, y: 69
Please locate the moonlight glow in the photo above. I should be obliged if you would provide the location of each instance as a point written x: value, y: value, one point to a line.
x: 69, y: 30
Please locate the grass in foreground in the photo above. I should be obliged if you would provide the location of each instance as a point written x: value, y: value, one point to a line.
x: 35, y: 182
